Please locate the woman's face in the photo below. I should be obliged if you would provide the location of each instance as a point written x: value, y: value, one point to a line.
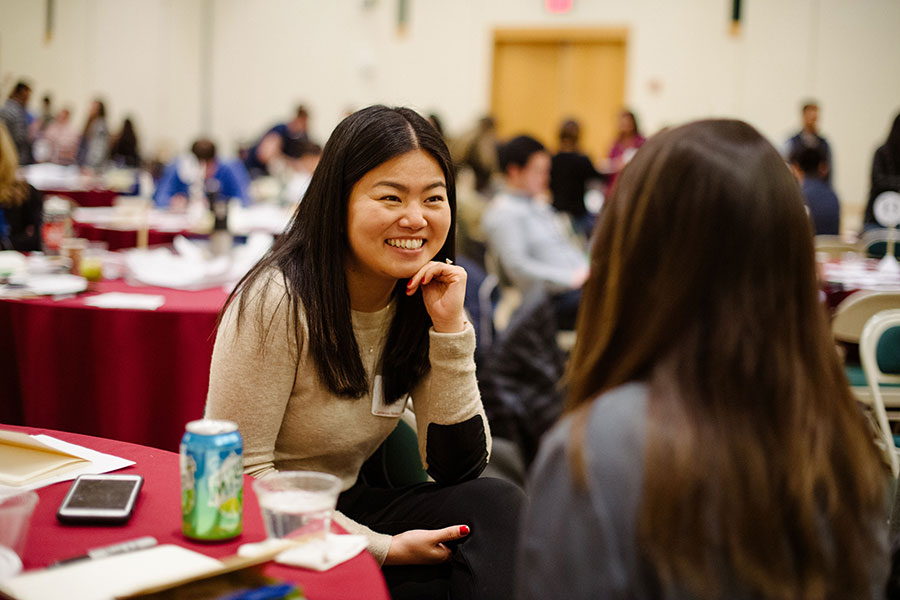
x: 398, y: 218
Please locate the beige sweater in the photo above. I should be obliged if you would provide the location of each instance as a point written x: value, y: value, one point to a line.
x: 291, y: 421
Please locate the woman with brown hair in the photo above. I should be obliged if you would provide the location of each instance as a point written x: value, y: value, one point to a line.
x: 20, y: 204
x: 711, y: 446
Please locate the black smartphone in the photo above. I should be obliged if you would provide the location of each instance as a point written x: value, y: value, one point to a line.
x: 100, y: 499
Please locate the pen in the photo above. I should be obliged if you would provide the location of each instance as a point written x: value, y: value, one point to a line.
x: 119, y: 548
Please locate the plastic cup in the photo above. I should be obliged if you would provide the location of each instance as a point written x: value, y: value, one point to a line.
x: 297, y: 504
x: 15, y: 516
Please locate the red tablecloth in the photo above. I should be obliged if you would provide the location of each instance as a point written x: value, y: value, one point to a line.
x: 158, y: 513
x: 131, y: 375
x: 121, y: 238
x: 86, y: 197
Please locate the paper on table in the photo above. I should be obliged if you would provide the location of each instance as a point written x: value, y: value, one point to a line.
x: 24, y: 460
x: 126, y: 300
x: 113, y: 576
x: 98, y: 462
x: 319, y: 554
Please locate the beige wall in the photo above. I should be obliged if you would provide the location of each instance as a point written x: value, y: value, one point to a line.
x: 147, y: 56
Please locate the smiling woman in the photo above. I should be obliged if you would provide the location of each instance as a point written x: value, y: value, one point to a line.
x: 356, y: 310
x: 397, y: 219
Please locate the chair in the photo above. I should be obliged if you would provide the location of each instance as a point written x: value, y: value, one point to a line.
x: 834, y: 246
x: 852, y: 314
x: 874, y: 242
x: 879, y: 352
x: 396, y: 463
x: 510, y: 295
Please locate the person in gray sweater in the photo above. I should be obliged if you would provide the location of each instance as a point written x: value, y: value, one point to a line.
x: 355, y: 313
x: 710, y: 447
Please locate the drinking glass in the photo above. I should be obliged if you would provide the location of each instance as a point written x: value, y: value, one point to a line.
x: 298, y: 504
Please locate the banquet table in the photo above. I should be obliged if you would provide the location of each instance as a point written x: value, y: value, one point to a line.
x: 87, y: 198
x: 844, y: 276
x: 120, y: 238
x: 158, y: 514
x: 126, y: 374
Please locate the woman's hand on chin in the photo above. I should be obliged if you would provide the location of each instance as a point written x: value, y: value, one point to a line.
x: 444, y: 292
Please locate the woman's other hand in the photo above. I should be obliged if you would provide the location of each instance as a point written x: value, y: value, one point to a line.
x: 423, y: 546
x: 444, y: 292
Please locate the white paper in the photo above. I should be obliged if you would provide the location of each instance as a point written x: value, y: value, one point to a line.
x: 126, y: 300
x: 319, y: 554
x: 100, y: 463
x: 113, y: 576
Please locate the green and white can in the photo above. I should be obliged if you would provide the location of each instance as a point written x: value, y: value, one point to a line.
x: 212, y: 480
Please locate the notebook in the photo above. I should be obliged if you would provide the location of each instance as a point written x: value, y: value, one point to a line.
x: 25, y: 460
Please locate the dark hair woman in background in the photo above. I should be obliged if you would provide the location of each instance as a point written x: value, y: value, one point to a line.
x: 123, y: 152
x: 885, y: 171
x: 94, y: 148
x: 356, y: 308
x: 712, y: 447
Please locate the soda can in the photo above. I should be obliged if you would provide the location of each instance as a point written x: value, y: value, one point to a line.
x: 212, y: 480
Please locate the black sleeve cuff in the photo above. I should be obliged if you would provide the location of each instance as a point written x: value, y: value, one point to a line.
x: 456, y: 452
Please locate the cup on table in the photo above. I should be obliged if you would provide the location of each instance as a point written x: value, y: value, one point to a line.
x: 92, y: 261
x: 73, y: 249
x: 15, y: 517
x: 298, y: 504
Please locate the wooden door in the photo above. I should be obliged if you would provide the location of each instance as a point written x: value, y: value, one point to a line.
x: 542, y: 77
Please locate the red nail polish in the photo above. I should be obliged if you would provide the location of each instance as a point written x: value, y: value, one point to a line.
x: 464, y: 530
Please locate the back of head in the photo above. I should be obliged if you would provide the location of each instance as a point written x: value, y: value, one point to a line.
x: 569, y: 132
x: 204, y: 149
x: 808, y: 159
x: 703, y: 284
x: 517, y: 151
x: 20, y: 90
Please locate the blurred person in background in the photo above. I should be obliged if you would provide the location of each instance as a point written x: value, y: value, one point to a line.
x: 711, y: 446
x: 40, y: 123
x: 436, y: 123
x: 21, y: 205
x: 14, y: 115
x: 523, y: 231
x: 123, y: 152
x: 280, y: 147
x: 476, y: 149
x: 809, y: 136
x: 93, y: 150
x: 188, y: 173
x: 570, y: 173
x: 885, y: 171
x: 628, y: 140
x: 811, y: 170
x: 60, y: 140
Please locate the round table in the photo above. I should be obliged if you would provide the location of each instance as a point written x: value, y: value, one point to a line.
x: 130, y: 375
x: 90, y: 198
x: 158, y: 514
x: 117, y: 239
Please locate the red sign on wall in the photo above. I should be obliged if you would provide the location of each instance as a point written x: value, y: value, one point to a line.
x: 558, y: 6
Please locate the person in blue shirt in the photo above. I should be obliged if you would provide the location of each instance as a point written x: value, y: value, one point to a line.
x: 280, y: 146
x: 173, y: 188
x: 811, y: 170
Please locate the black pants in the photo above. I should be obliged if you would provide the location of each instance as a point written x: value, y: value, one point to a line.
x: 482, y: 563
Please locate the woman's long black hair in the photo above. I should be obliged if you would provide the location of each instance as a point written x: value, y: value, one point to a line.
x: 311, y: 253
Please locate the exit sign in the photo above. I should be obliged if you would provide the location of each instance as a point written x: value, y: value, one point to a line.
x: 558, y: 6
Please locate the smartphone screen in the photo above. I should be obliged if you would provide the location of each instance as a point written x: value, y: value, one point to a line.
x: 102, y: 498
